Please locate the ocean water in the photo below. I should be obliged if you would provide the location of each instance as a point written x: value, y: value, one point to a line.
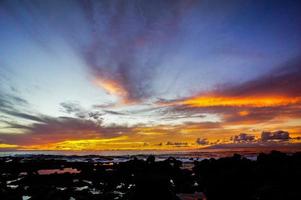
x: 110, y: 157
x: 201, y: 153
x: 186, y: 156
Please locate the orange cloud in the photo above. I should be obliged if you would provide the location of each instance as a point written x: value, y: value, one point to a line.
x: 243, y: 113
x: 220, y: 101
x: 6, y: 146
x: 154, y: 137
x: 113, y: 88
x: 275, y: 95
x: 79, y: 144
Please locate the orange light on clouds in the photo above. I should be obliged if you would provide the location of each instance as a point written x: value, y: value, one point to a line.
x: 113, y: 88
x: 76, y: 145
x: 243, y: 113
x: 211, y: 101
x: 151, y: 131
x: 120, y: 143
x: 8, y: 146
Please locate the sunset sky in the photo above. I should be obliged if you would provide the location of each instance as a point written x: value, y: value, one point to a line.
x: 103, y: 75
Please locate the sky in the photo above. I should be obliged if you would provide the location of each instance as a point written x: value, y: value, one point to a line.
x: 134, y: 75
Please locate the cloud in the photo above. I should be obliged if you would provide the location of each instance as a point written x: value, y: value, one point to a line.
x: 284, y: 81
x: 272, y: 140
x: 76, y: 110
x: 40, y: 129
x: 276, y: 135
x: 202, y: 141
x: 178, y: 144
x: 125, y: 66
x: 244, y: 137
x: 7, y: 147
x: 258, y: 146
x: 266, y: 136
x: 120, y: 43
x: 112, y: 112
x: 12, y: 106
x: 23, y: 115
x: 276, y: 94
x: 55, y: 129
x: 71, y: 107
x: 83, y: 124
x: 9, y: 101
x: 95, y: 115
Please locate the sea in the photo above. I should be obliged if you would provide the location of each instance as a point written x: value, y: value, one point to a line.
x: 188, y: 155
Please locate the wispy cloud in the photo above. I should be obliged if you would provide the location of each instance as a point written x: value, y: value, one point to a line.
x: 59, y: 129
x: 133, y: 50
x: 125, y: 66
x: 276, y: 94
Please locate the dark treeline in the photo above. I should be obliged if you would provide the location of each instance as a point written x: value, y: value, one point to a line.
x: 272, y: 176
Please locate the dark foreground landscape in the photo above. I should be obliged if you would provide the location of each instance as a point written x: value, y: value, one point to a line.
x: 271, y: 176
